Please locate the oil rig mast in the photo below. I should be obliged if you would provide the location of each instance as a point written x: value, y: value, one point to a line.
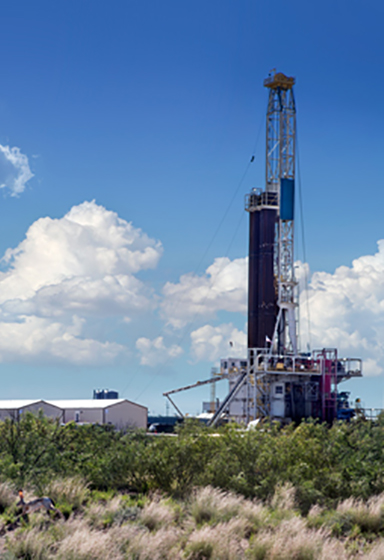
x: 271, y: 306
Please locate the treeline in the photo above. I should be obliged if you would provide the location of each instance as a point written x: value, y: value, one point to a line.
x: 325, y: 465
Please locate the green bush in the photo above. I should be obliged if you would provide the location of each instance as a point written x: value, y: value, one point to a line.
x: 324, y: 465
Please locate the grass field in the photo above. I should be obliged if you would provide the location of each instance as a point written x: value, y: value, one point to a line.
x: 306, y: 492
x: 209, y: 524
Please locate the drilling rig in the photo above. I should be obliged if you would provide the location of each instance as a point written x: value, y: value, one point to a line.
x: 277, y: 380
x: 283, y: 382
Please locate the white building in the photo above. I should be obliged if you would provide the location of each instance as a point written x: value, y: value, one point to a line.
x: 120, y: 413
x: 13, y: 409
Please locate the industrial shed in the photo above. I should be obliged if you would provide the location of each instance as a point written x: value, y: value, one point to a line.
x: 121, y: 413
x: 14, y: 408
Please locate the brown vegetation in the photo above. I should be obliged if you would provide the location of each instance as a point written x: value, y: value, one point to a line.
x: 210, y: 525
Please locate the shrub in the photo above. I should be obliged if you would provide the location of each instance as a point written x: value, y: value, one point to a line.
x: 102, y: 495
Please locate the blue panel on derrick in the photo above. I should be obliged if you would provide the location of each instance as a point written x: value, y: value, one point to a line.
x: 287, y: 199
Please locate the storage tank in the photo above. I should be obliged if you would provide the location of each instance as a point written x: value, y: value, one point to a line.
x: 105, y: 394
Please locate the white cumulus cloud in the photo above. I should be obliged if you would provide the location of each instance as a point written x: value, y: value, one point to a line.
x: 14, y: 170
x: 222, y: 287
x: 155, y: 352
x: 210, y: 343
x: 85, y: 262
x: 64, y: 273
x: 347, y: 310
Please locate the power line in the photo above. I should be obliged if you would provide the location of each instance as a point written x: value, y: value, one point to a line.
x: 303, y: 241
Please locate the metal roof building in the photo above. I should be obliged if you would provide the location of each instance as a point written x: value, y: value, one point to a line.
x: 121, y: 413
x: 118, y: 412
x: 14, y: 408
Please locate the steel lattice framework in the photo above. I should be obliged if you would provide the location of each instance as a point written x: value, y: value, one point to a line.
x: 280, y: 164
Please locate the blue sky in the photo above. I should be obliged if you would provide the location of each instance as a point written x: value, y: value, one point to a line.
x: 153, y: 110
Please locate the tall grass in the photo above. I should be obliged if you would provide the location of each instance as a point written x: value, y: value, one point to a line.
x: 376, y: 552
x: 72, y: 490
x: 284, y: 497
x: 220, y: 543
x: 32, y: 544
x: 157, y: 514
x: 163, y: 544
x: 8, y: 495
x: 211, y: 525
x: 88, y: 544
x: 351, y: 517
x: 112, y: 513
x: 369, y: 516
x: 290, y: 540
x: 214, y: 505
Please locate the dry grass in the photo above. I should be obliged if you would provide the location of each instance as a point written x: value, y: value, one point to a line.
x: 256, y: 515
x: 87, y: 544
x: 114, y: 512
x: 291, y: 540
x: 334, y: 550
x: 284, y: 498
x: 34, y: 543
x: 368, y: 516
x: 213, y: 525
x: 219, y: 543
x: 163, y: 544
x: 73, y: 491
x: 157, y: 514
x: 8, y: 495
x: 315, y: 512
x: 214, y: 506
x: 376, y: 552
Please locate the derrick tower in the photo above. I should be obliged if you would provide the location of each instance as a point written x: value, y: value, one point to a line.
x: 271, y: 301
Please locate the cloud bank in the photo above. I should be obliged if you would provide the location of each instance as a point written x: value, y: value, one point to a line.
x: 346, y: 308
x: 81, y: 270
x: 34, y: 339
x: 67, y: 272
x: 14, y: 170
